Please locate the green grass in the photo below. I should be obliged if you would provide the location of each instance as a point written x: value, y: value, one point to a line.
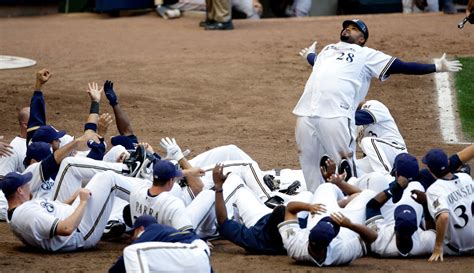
x: 465, y: 96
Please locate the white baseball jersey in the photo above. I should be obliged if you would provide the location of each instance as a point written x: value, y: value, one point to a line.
x: 346, y: 247
x: 340, y: 80
x: 35, y: 223
x: 455, y: 197
x: 14, y: 163
x: 169, y: 209
x: 165, y: 207
x: 40, y: 186
x: 385, y: 244
x: 384, y: 126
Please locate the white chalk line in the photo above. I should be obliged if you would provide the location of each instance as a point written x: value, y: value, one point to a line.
x: 447, y: 116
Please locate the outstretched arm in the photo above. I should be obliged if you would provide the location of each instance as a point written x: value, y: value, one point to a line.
x: 124, y: 126
x: 309, y: 53
x: 440, y: 65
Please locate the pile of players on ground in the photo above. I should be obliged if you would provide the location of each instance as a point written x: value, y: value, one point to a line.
x: 65, y: 193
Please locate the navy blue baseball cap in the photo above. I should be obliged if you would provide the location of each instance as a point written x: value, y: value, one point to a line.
x: 47, y: 133
x: 13, y: 181
x: 437, y: 161
x: 37, y: 151
x: 406, y: 165
x: 323, y: 233
x: 164, y: 170
x: 405, y: 220
x: 359, y: 24
x: 144, y: 221
x: 125, y: 141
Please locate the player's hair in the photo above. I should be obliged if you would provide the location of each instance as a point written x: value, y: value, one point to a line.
x: 159, y: 182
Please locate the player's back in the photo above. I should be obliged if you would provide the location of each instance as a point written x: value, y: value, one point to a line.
x: 457, y: 198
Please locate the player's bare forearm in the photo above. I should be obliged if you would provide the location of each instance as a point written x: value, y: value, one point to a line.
x: 294, y: 207
x: 69, y: 225
x: 124, y: 126
x: 441, y: 227
x: 466, y: 154
x: 221, y: 211
x: 71, y: 199
x: 194, y: 182
x: 367, y: 235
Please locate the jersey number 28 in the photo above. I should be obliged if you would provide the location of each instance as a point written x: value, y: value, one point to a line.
x: 349, y: 58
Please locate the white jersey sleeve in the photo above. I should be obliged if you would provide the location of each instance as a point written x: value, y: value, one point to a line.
x: 14, y: 163
x: 384, y: 126
x: 295, y: 240
x: 377, y: 63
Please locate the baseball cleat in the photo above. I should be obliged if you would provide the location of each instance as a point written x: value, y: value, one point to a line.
x: 274, y: 202
x: 345, y: 167
x: 291, y: 190
x: 272, y: 183
x: 114, y: 229
x: 135, y: 161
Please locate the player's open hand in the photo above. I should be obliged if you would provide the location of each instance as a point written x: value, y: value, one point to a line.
x: 308, y: 50
x: 328, y: 169
x: 317, y: 209
x: 443, y: 65
x: 173, y: 151
x: 218, y: 175
x: 94, y: 91
x: 341, y: 219
x: 110, y: 93
x: 103, y: 123
x: 418, y: 196
x: 437, y: 254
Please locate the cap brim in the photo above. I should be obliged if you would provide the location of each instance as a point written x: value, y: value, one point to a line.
x: 60, y: 134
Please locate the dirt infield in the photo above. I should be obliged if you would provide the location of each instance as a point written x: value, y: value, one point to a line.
x: 214, y: 88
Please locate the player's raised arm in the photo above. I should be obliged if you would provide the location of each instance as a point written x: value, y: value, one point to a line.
x: 173, y: 152
x: 219, y: 179
x: 440, y: 65
x: 37, y: 105
x: 69, y: 225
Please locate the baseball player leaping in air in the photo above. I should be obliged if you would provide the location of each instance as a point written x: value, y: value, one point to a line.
x: 339, y: 81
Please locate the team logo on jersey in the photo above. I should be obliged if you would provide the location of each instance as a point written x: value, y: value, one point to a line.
x: 48, y: 206
x: 436, y: 203
x: 47, y: 185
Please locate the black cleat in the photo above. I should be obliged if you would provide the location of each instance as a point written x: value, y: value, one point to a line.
x: 135, y: 161
x: 113, y: 230
x: 345, y: 166
x: 220, y: 26
x: 274, y: 202
x: 291, y: 190
x: 272, y: 183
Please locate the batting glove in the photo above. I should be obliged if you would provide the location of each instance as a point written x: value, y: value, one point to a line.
x: 173, y: 151
x: 307, y: 50
x: 110, y: 93
x: 443, y: 65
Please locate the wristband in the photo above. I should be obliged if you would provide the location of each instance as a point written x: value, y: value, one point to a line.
x: 90, y: 126
x: 220, y: 190
x: 94, y: 108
